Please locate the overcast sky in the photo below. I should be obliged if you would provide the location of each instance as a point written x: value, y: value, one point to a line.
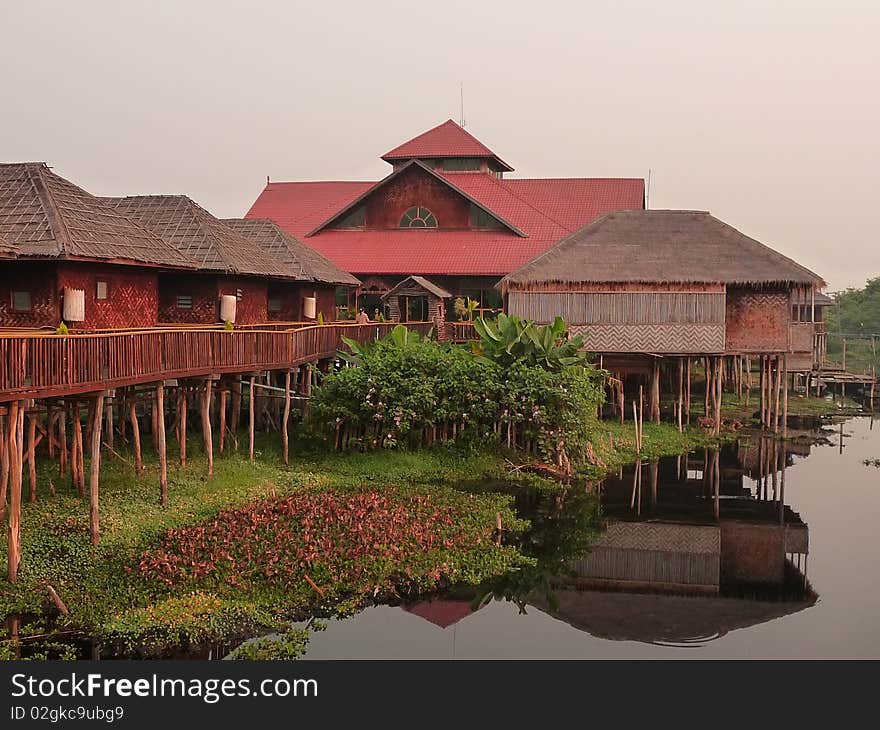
x: 766, y: 113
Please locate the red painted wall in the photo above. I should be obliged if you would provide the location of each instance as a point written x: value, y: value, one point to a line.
x: 251, y: 307
x: 132, y: 295
x: 415, y: 187
x: 202, y: 288
x: 39, y: 278
x: 291, y: 302
x: 326, y: 301
x: 757, y: 320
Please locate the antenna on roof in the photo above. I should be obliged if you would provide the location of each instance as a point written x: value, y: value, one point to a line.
x: 461, y: 119
x: 648, y: 191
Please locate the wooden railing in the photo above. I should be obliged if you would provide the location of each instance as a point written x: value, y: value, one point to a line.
x: 38, y: 364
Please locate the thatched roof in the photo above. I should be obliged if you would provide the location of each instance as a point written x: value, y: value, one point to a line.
x: 422, y: 283
x: 196, y: 233
x: 46, y: 216
x: 307, y: 263
x: 8, y: 249
x: 653, y: 246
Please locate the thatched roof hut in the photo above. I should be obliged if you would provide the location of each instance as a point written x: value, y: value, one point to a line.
x: 669, y: 246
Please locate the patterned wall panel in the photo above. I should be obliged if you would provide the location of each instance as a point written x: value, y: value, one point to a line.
x: 757, y: 320
x: 132, y: 295
x: 653, y: 338
x: 40, y: 280
x: 661, y: 536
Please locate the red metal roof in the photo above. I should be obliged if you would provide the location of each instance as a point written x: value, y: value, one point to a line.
x: 444, y: 140
x: 546, y: 210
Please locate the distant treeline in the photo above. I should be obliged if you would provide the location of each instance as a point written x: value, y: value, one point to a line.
x: 855, y: 317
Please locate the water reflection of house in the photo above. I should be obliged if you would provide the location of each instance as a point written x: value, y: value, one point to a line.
x: 441, y: 612
x: 693, y: 548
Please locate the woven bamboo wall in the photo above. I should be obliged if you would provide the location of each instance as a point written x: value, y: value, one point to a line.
x: 252, y: 298
x: 757, y: 320
x: 40, y: 280
x: 203, y: 289
x: 132, y: 295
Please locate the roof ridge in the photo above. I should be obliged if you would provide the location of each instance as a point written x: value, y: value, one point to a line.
x: 60, y: 232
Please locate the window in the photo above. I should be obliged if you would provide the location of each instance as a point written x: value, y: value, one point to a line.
x: 801, y: 313
x: 458, y: 164
x: 355, y: 219
x: 101, y: 291
x: 21, y: 301
x: 418, y: 218
x: 274, y: 304
x: 483, y: 219
x: 184, y: 301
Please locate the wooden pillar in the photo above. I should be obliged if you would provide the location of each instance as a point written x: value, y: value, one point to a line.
x: 4, y: 466
x: 776, y: 411
x: 135, y: 434
x: 51, y: 415
x: 181, y: 414
x: 707, y: 367
x: 13, y: 449
x: 32, y: 457
x: 109, y: 421
x: 286, y: 417
x: 62, y: 439
x: 785, y: 396
x: 251, y: 420
x: 688, y: 394
x: 222, y: 400
x: 95, y: 467
x: 154, y: 425
x: 235, y: 416
x: 719, y: 394
x: 80, y: 457
x: 206, y: 426
x: 655, y: 391
x: 159, y: 417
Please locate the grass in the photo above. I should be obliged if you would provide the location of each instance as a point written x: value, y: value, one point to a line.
x: 107, y: 594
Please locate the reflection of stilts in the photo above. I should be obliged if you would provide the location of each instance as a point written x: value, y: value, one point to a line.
x: 716, y: 478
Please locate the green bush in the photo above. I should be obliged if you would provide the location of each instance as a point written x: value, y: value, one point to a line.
x: 422, y: 392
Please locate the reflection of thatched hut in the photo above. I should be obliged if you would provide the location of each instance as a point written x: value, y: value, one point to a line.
x: 654, y: 618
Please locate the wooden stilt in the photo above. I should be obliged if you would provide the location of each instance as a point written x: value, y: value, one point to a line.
x: 778, y: 389
x: 80, y: 457
x: 235, y: 416
x: 251, y: 421
x: 135, y: 435
x: 95, y: 467
x: 13, y: 448
x: 62, y: 438
x: 108, y: 418
x: 688, y: 394
x: 154, y: 424
x: 206, y: 426
x: 181, y: 409
x: 707, y: 367
x: 160, y: 439
x: 785, y: 396
x: 286, y: 417
x: 4, y: 467
x: 32, y: 457
x: 719, y: 394
x: 51, y: 415
x: 222, y: 400
x: 655, y: 391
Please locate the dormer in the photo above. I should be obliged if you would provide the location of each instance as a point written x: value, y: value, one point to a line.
x: 448, y: 148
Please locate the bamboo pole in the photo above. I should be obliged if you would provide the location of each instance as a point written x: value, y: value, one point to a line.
x: 95, y: 467
x: 719, y: 395
x: 108, y: 404
x: 159, y: 419
x: 32, y: 457
x: 286, y: 418
x: 154, y: 425
x: 251, y: 421
x: 778, y: 384
x: 785, y: 396
x: 707, y: 368
x: 51, y: 415
x: 206, y: 426
x: 688, y: 394
x: 135, y: 435
x: 15, y: 457
x: 655, y: 391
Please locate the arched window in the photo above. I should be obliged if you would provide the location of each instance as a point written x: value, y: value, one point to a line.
x: 418, y: 218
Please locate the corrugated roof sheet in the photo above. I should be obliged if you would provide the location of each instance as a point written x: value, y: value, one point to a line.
x: 200, y: 236
x: 661, y: 246
x: 47, y: 216
x: 308, y: 264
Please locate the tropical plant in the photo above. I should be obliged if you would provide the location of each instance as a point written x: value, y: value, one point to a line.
x: 228, y: 325
x: 62, y: 329
x: 465, y: 308
x: 510, y: 339
x: 399, y: 336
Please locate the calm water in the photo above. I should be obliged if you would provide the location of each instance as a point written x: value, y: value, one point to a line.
x: 810, y: 589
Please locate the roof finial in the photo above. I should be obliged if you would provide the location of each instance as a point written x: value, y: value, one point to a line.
x: 461, y: 120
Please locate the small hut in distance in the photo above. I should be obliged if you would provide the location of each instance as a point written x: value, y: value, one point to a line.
x: 653, y: 288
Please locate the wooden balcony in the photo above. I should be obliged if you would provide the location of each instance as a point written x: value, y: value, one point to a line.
x: 38, y: 364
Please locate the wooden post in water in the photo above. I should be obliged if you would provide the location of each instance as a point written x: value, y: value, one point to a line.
x: 159, y: 415
x: 13, y: 449
x: 286, y: 416
x: 32, y: 457
x: 206, y: 426
x: 251, y: 421
x: 95, y: 467
x: 776, y: 411
x: 785, y: 396
x: 135, y: 434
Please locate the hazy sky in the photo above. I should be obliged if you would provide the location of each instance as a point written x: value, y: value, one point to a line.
x: 766, y: 113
